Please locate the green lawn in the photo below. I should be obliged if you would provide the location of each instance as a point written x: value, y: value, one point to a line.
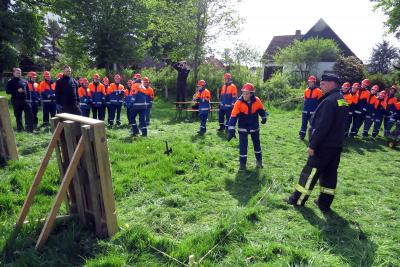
x: 194, y: 199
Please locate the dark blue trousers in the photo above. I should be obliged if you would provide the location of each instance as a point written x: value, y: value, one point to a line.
x: 369, y: 119
x: 377, y: 125
x: 223, y: 117
x: 112, y: 111
x: 148, y: 113
x: 99, y: 113
x: 243, y: 144
x: 49, y: 111
x: 389, y: 121
x: 203, y: 121
x: 142, y: 121
x: 85, y: 111
x: 305, y: 119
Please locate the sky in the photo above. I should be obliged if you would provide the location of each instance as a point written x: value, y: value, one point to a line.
x: 354, y: 21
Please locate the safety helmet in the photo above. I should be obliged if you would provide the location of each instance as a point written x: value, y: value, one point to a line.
x: 346, y: 85
x: 312, y: 79
x: 32, y: 74
x: 248, y: 87
x: 366, y: 82
x: 96, y: 76
x: 59, y: 75
x: 84, y: 80
x: 137, y: 76
x: 201, y: 83
x: 227, y: 76
x: 355, y: 85
x: 46, y: 74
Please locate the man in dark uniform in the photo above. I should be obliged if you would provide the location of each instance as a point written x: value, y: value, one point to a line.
x: 18, y: 89
x: 183, y: 73
x: 66, y: 93
x: 325, y: 147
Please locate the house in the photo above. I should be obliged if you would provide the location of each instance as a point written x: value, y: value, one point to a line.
x: 320, y: 30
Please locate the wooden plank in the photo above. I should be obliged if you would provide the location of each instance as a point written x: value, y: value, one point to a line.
x: 61, y: 193
x: 80, y: 119
x: 94, y: 179
x: 70, y: 138
x: 39, y: 175
x: 104, y: 169
x: 7, y: 131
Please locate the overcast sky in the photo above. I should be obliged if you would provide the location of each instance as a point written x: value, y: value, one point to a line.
x: 354, y: 21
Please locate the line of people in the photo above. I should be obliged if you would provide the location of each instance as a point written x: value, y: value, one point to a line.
x: 367, y: 106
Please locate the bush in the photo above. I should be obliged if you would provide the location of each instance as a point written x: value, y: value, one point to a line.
x: 276, y: 88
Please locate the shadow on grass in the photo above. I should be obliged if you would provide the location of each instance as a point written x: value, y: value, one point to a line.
x: 368, y: 144
x: 68, y: 245
x: 345, y: 239
x: 246, y: 185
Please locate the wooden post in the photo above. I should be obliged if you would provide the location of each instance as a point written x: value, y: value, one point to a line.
x: 61, y: 193
x: 9, y: 146
x: 192, y: 261
x: 38, y: 177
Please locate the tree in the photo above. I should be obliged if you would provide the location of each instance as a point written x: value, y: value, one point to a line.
x: 304, y: 55
x: 392, y: 10
x: 50, y: 49
x: 246, y: 55
x: 74, y: 51
x: 349, y: 69
x: 382, y: 57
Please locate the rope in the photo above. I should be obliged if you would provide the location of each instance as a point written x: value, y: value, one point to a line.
x: 234, y: 224
x: 169, y: 256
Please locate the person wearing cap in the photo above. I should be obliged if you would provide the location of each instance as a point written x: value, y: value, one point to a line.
x: 311, y: 96
x: 380, y: 111
x: 34, y: 97
x: 115, y: 94
x: 227, y: 98
x: 138, y: 104
x: 183, y: 72
x: 18, y: 89
x: 128, y: 97
x: 66, y: 93
x: 245, y: 112
x: 389, y: 119
x: 203, y: 98
x: 370, y: 114
x: 47, y: 92
x: 149, y: 98
x: 85, y: 97
x: 325, y: 146
x: 98, y: 93
x: 361, y: 107
x: 348, y: 96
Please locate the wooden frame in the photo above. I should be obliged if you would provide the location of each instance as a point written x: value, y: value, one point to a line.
x: 86, y: 185
x: 8, y: 147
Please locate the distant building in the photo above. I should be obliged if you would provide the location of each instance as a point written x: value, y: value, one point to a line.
x: 320, y: 30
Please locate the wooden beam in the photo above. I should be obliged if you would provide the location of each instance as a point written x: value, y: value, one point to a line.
x: 77, y: 118
x: 7, y: 131
x: 61, y: 193
x: 39, y: 175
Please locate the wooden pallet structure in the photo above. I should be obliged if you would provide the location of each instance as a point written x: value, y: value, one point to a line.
x: 8, y: 147
x: 86, y: 186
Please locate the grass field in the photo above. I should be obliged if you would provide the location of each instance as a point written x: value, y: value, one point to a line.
x: 195, y: 200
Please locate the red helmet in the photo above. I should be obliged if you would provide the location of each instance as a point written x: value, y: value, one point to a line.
x: 346, y: 85
x: 137, y: 76
x: 146, y: 79
x: 393, y: 87
x: 96, y: 76
x: 201, y: 83
x: 84, y: 80
x: 375, y: 87
x: 312, y: 79
x: 248, y: 87
x: 117, y: 76
x: 32, y: 74
x: 382, y: 94
x: 366, y: 82
x: 59, y: 75
x: 355, y: 85
x: 227, y: 76
x: 46, y: 74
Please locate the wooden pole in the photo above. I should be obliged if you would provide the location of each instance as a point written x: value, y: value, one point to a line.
x: 9, y: 143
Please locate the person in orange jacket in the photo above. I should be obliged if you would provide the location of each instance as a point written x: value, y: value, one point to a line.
x: 370, y: 114
x: 85, y: 97
x: 106, y: 82
x: 245, y: 112
x: 115, y: 94
x: 139, y: 105
x: 203, y: 98
x: 311, y: 96
x: 227, y: 98
x: 380, y: 106
x: 149, y: 98
x: 361, y: 107
x: 128, y: 89
x: 389, y: 119
x: 47, y: 92
x: 98, y: 93
x: 346, y: 92
x: 34, y: 97
x: 352, y: 108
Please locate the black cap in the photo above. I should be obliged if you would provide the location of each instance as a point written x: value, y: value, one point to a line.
x: 330, y: 77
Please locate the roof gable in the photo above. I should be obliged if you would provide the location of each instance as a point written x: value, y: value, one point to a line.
x: 279, y: 42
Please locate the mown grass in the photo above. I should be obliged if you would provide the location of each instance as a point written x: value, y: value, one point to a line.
x: 187, y: 203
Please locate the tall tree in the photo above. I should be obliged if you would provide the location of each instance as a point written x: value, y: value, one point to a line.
x: 382, y: 57
x: 246, y: 55
x: 349, y: 69
x: 391, y: 8
x: 50, y: 49
x: 303, y: 56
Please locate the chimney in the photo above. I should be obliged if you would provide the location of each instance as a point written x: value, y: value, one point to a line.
x: 298, y: 32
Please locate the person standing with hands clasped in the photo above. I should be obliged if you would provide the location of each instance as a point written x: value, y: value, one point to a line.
x: 246, y: 111
x: 325, y: 147
x: 203, y: 97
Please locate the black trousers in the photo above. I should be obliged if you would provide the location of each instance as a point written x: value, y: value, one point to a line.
x: 72, y: 109
x: 180, y: 91
x: 19, y: 107
x: 322, y: 166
